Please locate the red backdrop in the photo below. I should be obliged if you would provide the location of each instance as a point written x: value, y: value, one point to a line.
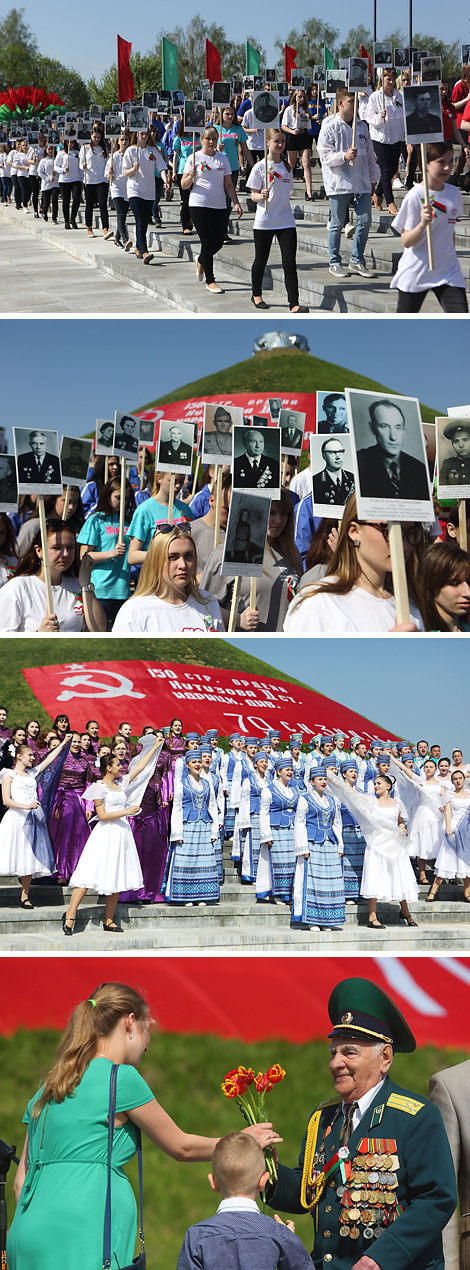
x: 191, y: 410
x: 248, y: 998
x: 144, y: 692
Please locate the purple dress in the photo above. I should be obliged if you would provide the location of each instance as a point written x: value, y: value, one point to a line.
x: 150, y: 831
x: 68, y: 826
x: 175, y: 748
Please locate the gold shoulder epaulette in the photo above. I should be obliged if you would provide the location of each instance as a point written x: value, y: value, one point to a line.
x: 330, y: 1102
x: 401, y: 1103
x: 309, y: 1196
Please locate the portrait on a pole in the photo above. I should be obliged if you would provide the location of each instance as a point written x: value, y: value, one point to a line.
x: 256, y: 464
x: 75, y: 455
x: 126, y: 435
x: 175, y: 446
x: 217, y: 434
x: 245, y: 536
x: 37, y: 461
x: 389, y: 457
x: 453, y: 457
x: 332, y: 474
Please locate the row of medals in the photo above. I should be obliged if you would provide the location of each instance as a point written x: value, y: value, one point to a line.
x: 369, y: 1197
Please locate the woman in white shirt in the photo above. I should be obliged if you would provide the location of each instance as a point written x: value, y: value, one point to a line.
x: 139, y: 168
x: 35, y: 154
x: 12, y: 158
x: 22, y: 168
x: 209, y: 176
x: 24, y: 597
x: 49, y: 184
x: 274, y: 217
x: 167, y: 597
x: 93, y: 162
x: 355, y: 594
x: 295, y: 124
x: 67, y: 166
x: 387, y: 130
x: 118, y: 187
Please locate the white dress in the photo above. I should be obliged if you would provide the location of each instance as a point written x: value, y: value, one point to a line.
x: 387, y: 873
x: 449, y: 863
x: 426, y: 824
x: 16, y: 855
x: 109, y: 862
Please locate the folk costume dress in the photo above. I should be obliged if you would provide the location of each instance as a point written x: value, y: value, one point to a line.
x: 450, y: 862
x: 59, y: 1219
x: 241, y: 769
x: 318, y: 898
x: 193, y: 873
x: 276, y: 867
x: 109, y: 862
x: 354, y: 845
x: 248, y: 823
x: 387, y: 873
x: 68, y: 826
x: 227, y: 769
x: 423, y: 801
x: 21, y: 852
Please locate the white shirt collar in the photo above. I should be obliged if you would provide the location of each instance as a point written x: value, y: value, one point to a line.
x: 238, y: 1203
x: 363, y: 1103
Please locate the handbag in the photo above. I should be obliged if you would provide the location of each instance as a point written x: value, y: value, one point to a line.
x: 139, y: 1262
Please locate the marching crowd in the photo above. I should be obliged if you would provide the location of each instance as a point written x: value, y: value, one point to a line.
x: 146, y: 823
x: 166, y: 577
x: 358, y: 169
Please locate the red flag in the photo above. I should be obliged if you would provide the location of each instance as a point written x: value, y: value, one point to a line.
x: 289, y: 62
x: 212, y: 57
x: 364, y: 53
x: 126, y: 90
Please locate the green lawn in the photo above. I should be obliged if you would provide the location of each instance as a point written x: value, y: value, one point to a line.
x: 186, y: 1072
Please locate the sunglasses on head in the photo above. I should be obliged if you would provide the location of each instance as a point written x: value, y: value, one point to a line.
x: 169, y: 527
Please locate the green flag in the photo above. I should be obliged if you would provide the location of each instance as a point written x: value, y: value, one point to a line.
x: 169, y: 65
x: 251, y: 59
x: 328, y: 59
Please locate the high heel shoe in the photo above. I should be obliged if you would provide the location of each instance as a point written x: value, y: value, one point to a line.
x: 68, y: 930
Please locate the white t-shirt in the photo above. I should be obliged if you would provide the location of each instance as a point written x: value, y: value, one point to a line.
x: 45, y: 171
x: 118, y: 183
x: 413, y: 272
x: 290, y: 121
x: 24, y: 604
x: 147, y: 614
x: 35, y: 153
x: 142, y: 183
x: 392, y: 128
x: 357, y: 611
x: 254, y: 140
x: 71, y: 161
x: 278, y: 214
x: 95, y: 159
x: 208, y: 188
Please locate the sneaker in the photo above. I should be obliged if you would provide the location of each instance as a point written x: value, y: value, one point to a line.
x: 397, y: 184
x: 350, y: 230
x: 128, y: 245
x: 358, y: 266
x: 338, y: 272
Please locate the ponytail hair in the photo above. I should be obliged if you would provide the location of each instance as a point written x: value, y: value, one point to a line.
x: 274, y: 132
x: 92, y: 1021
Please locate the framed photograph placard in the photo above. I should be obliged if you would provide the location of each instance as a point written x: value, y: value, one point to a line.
x: 389, y: 457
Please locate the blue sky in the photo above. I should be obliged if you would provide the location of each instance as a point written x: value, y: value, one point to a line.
x: 75, y: 371
x: 87, y: 41
x: 412, y: 686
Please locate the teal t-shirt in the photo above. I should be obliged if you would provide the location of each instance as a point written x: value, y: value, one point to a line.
x: 183, y: 147
x: 111, y: 578
x: 145, y: 517
x: 232, y: 137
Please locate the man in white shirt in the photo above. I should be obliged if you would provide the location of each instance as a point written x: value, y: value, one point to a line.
x: 349, y: 174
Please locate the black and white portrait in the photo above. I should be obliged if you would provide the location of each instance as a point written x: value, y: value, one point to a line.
x: 75, y: 454
x: 431, y: 70
x: 126, y: 435
x: 335, y: 79
x: 358, y: 74
x: 418, y: 55
x: 113, y: 126
x: 389, y: 457
x: 147, y: 432
x: 332, y: 412
x: 423, y: 114
x: 332, y: 474
x: 297, y: 79
x: 248, y: 83
x: 194, y: 115
x: 465, y: 54
x: 237, y: 87
x: 257, y: 461
x: 266, y: 109
x: 138, y: 119
x: 8, y: 483
x: 401, y: 58
x: 83, y: 133
x: 258, y: 83
x: 260, y: 421
x: 270, y: 76
x: 37, y: 461
x: 221, y: 94
x: 53, y: 136
x: 94, y: 111
x: 149, y: 100
x: 70, y: 130
x: 175, y: 446
x: 245, y: 536
x: 283, y: 88
x: 217, y: 435
x: 292, y: 425
x: 383, y: 53
x: 177, y: 97
x: 453, y: 457
x: 275, y: 407
x: 104, y: 436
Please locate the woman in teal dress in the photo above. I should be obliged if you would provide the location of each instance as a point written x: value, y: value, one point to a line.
x: 61, y: 1181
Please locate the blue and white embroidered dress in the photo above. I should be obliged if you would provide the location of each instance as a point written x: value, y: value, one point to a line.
x: 193, y: 869
x: 318, y: 898
x: 248, y: 823
x: 276, y: 867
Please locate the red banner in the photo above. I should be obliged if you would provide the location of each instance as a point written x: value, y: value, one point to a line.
x: 191, y: 410
x: 126, y: 88
x: 145, y: 692
x: 223, y: 996
x: 289, y: 62
x: 212, y: 60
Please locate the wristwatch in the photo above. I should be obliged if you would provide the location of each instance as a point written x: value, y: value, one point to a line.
x: 89, y: 587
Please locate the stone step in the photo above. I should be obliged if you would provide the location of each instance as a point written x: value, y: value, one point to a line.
x: 244, y: 940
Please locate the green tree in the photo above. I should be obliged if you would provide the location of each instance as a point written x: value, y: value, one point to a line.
x: 451, y: 54
x: 18, y: 51
x: 64, y: 81
x: 309, y: 42
x: 351, y: 45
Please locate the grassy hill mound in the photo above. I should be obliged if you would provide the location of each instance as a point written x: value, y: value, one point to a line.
x: 276, y: 371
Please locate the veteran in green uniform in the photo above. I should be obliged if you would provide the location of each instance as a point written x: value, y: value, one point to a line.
x: 456, y: 471
x: 375, y: 1169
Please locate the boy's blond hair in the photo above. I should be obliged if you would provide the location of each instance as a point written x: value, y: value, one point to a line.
x: 237, y: 1164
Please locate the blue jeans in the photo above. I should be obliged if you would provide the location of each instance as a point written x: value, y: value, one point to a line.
x: 339, y: 204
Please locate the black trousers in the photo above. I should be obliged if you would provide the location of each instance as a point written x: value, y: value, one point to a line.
x: 35, y: 187
x: 287, y: 239
x: 451, y: 299
x: 17, y: 191
x: 70, y: 190
x: 50, y: 198
x: 387, y: 158
x: 210, y: 223
x: 23, y: 182
x: 121, y: 208
x: 100, y: 193
x: 185, y: 214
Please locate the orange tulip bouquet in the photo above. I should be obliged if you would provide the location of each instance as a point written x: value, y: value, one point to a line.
x: 237, y: 1085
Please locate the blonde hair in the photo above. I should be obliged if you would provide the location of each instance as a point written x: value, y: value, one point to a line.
x: 151, y: 574
x: 237, y: 1164
x: 90, y: 1023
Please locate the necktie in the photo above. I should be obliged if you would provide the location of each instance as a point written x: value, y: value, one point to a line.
x: 395, y: 478
x: 348, y: 1121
